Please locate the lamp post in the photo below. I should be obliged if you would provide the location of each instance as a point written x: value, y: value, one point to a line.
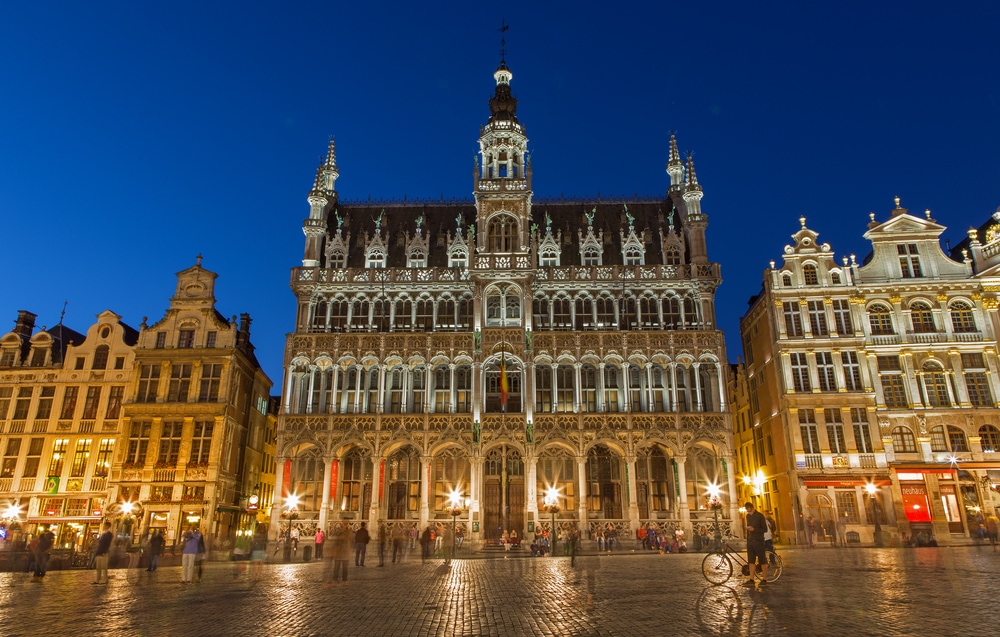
x: 715, y: 504
x: 292, y: 513
x: 552, y: 506
x: 871, y: 489
x: 455, y: 503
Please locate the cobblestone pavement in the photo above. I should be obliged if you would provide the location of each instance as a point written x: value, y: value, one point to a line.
x: 942, y: 591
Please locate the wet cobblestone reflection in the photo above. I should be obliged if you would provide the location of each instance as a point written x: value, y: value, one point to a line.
x: 944, y: 591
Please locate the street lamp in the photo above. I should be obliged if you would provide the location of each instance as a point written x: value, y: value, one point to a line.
x: 455, y: 504
x: 552, y: 506
x: 291, y: 512
x: 715, y: 504
x: 872, y: 490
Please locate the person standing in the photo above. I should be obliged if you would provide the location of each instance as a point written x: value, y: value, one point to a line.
x: 101, y: 554
x: 156, y: 544
x: 842, y: 529
x: 45, y: 541
x: 320, y: 536
x: 258, y: 550
x: 756, y: 527
x: 361, y: 540
x: 425, y: 544
x: 189, y: 554
x: 811, y: 531
x: 294, y: 535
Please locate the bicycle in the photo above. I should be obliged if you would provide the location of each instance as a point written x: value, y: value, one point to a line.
x: 717, y: 567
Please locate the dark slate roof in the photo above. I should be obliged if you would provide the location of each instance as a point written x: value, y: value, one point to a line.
x: 63, y: 337
x: 568, y: 215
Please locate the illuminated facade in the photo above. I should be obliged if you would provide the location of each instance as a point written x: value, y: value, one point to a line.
x: 488, y: 352
x: 870, y: 388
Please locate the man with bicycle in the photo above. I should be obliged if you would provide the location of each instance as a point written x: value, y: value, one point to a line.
x: 756, y: 526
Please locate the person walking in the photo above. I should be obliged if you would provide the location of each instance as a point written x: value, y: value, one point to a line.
x: 45, y: 541
x: 339, y: 549
x: 319, y: 538
x: 381, y: 543
x: 189, y: 554
x: 156, y: 544
x: 200, y: 556
x: 756, y: 526
x: 101, y: 554
x: 414, y: 534
x: 361, y: 540
x: 258, y: 550
x: 842, y: 529
x: 425, y: 544
x: 397, y: 544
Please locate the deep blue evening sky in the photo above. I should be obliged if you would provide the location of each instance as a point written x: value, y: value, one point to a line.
x: 134, y: 137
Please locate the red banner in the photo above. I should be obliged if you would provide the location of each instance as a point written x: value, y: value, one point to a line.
x: 381, y: 480
x: 333, y: 483
x: 286, y: 479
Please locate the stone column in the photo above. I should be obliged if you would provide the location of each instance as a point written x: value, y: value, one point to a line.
x: 425, y: 487
x: 312, y: 388
x: 633, y: 502
x: 327, y: 474
x: 682, y: 487
x: 581, y: 470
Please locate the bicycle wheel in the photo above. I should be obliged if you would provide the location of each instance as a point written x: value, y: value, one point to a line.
x: 774, y: 566
x: 717, y: 568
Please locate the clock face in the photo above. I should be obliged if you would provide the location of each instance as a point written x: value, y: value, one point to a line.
x: 194, y: 289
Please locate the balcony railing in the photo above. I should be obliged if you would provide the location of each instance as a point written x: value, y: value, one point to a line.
x: 814, y: 461
x: 866, y: 460
x: 5, y: 484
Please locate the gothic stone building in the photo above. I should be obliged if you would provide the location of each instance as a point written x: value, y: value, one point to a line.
x: 871, y: 387
x: 505, y: 355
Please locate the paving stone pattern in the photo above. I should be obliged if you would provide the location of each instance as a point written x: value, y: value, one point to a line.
x: 942, y: 591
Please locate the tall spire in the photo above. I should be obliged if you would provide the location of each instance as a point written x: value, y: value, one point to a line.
x: 330, y: 172
x: 675, y: 167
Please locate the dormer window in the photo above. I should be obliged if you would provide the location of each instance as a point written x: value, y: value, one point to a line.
x: 458, y: 259
x: 376, y: 259
x: 548, y: 260
x: 591, y: 257
x: 673, y: 257
x: 337, y: 260
x: 633, y: 257
x: 503, y: 233
x: 809, y: 276
x: 416, y: 259
x: 909, y: 260
x: 8, y: 357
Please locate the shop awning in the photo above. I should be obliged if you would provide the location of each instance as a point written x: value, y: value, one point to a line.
x: 223, y: 508
x: 845, y: 483
x: 54, y: 519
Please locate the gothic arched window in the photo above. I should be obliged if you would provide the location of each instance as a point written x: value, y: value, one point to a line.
x: 502, y: 233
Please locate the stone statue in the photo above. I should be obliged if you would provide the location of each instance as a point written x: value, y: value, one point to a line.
x: 670, y: 218
x: 529, y: 433
x: 475, y: 432
x: 527, y: 339
x: 472, y: 233
x: 534, y: 229
x: 477, y: 340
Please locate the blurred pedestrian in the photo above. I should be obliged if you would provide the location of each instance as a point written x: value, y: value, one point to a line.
x: 361, y: 540
x: 45, y: 541
x: 156, y: 544
x: 397, y: 544
x: 425, y: 544
x: 101, y: 554
x: 258, y: 550
x: 381, y: 542
x: 756, y: 527
x: 842, y: 529
x: 189, y: 554
x: 339, y: 548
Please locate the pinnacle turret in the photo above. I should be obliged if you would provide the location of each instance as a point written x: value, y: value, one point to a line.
x: 675, y: 167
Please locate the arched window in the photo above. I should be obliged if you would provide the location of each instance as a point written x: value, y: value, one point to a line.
x: 417, y: 258
x: 418, y: 390
x: 591, y: 256
x: 540, y: 313
x: 922, y: 317
x: 543, y: 389
x: 403, y: 319
x: 962, y: 320
x: 376, y: 258
x: 990, y: 437
x: 359, y: 313
x: 957, y: 440
x: 394, y: 389
x: 605, y: 307
x: 565, y: 388
x: 307, y: 481
x: 336, y: 259
x: 503, y: 306
x: 611, y: 388
x: 936, y: 385
x: 786, y: 280
x: 356, y: 470
x: 672, y: 256
x: 403, y: 481
x: 691, y: 314
x: 633, y: 256
x: 603, y: 478
x: 903, y: 440
x: 424, y: 314
x: 502, y: 233
x: 463, y: 389
x: 880, y: 320
x: 560, y: 313
x: 671, y: 313
x: 548, y: 259
x: 588, y: 388
x: 101, y: 357
x: 938, y: 440
x: 649, y: 311
x: 452, y: 473
x: 835, y: 278
x: 446, y: 319
x: 809, y: 276
x: 655, y: 492
x: 442, y: 389
x: 338, y: 314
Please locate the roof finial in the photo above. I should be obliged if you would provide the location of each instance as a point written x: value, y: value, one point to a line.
x: 198, y: 259
x: 928, y: 213
x: 896, y: 199
x: 503, y: 42
x: 802, y: 220
x: 63, y: 313
x: 692, y: 178
x: 331, y: 154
